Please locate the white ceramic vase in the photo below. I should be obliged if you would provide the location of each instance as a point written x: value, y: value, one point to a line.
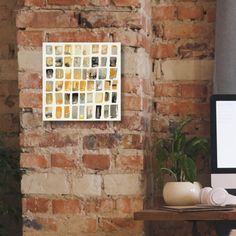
x: 181, y: 193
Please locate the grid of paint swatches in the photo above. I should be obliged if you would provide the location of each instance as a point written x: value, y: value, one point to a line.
x: 81, y: 81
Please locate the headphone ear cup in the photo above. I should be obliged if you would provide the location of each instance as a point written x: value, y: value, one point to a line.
x: 204, y: 195
x: 218, y: 197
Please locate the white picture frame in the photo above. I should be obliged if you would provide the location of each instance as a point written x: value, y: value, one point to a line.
x: 81, y: 81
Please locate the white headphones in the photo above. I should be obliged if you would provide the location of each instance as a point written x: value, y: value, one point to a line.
x: 216, y: 197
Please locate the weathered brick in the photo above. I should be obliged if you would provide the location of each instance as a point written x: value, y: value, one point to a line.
x: 132, y: 141
x: 187, y: 30
x: 30, y: 38
x: 194, y: 70
x: 30, y: 99
x: 36, y: 205
x: 164, y: 12
x: 183, y: 109
x: 116, y: 224
x: 29, y: 80
x: 92, y: 142
x: 45, y: 183
x: 161, y: 50
x: 97, y: 19
x: 131, y: 123
x: 133, y: 162
x: 47, y: 224
x: 193, y: 90
x: 131, y: 85
x: 126, y: 3
x: 190, y: 12
x: 80, y: 36
x: 100, y: 205
x: 211, y: 14
x: 132, y: 103
x: 68, y: 2
x: 36, y: 3
x: 66, y: 206
x: 30, y: 120
x: 122, y: 184
x: 128, y: 38
x: 62, y: 160
x: 167, y: 90
x: 31, y: 160
x: 29, y: 60
x: 45, y: 19
x: 96, y: 162
x: 87, y: 185
x: 54, y: 139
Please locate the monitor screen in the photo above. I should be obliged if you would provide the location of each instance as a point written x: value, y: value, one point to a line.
x: 223, y: 133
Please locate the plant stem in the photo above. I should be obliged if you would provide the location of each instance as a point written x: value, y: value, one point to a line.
x: 172, y: 173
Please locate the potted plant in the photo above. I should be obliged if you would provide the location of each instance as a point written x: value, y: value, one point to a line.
x: 177, y: 156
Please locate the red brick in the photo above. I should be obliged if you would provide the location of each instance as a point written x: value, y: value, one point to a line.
x: 193, y: 12
x: 162, y: 50
x: 62, y: 161
x: 131, y: 103
x: 131, y: 123
x: 131, y: 85
x: 96, y: 19
x: 127, y: 205
x: 66, y: 206
x: 128, y: 38
x: 211, y: 14
x: 52, y: 19
x: 36, y: 205
x: 116, y: 224
x: 96, y: 162
x: 54, y: 139
x: 123, y: 205
x: 36, y: 3
x: 133, y: 162
x: 99, y: 2
x: 126, y: 3
x: 30, y: 99
x: 187, y: 30
x: 89, y: 225
x: 193, y: 90
x: 31, y: 160
x: 167, y: 90
x: 183, y: 108
x: 69, y: 2
x: 48, y: 224
x: 132, y: 141
x: 30, y: 38
x: 94, y: 142
x: 165, y: 12
x: 79, y: 36
x: 29, y: 80
x: 99, y: 206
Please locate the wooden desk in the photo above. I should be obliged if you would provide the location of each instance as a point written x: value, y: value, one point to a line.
x: 224, y: 221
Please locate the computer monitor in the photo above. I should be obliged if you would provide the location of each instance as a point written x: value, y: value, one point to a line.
x: 223, y: 141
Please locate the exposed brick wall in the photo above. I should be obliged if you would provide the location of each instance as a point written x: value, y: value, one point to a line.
x: 183, y: 52
x: 84, y: 178
x: 9, y: 107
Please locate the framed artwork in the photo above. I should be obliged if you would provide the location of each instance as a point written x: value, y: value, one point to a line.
x: 81, y: 81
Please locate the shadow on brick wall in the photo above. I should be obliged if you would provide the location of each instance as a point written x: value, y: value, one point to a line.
x: 10, y: 196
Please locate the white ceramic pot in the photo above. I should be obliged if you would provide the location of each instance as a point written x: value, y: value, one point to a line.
x: 181, y: 193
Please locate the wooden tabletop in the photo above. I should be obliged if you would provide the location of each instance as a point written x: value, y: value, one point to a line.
x: 163, y: 215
